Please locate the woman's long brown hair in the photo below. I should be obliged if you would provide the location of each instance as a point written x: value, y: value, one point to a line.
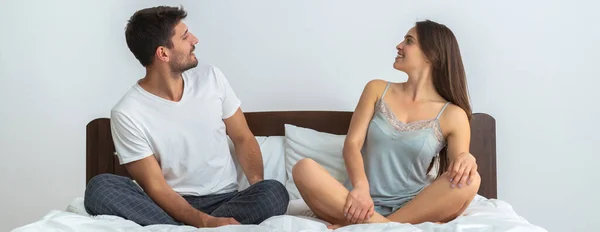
x: 440, y: 47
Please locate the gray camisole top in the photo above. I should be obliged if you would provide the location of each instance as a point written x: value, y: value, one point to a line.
x: 397, y: 155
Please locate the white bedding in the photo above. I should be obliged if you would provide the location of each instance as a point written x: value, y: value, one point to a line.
x: 482, y: 215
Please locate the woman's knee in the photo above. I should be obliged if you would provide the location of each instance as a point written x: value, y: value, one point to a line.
x: 466, y: 196
x: 302, y: 167
x: 473, y: 186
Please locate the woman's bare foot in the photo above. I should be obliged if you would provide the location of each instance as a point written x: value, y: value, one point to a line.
x: 377, y: 218
x: 334, y: 226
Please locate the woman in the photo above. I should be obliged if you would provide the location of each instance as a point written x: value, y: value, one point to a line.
x: 396, y: 133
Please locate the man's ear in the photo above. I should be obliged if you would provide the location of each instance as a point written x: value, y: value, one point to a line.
x: 162, y: 54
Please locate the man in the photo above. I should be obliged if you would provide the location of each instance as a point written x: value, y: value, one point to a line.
x: 170, y: 131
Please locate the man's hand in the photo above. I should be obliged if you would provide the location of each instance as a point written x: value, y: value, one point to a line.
x: 210, y: 221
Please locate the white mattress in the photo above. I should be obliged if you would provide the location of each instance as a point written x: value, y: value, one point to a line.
x: 482, y: 215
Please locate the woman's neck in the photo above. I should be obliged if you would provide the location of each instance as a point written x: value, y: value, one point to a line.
x: 419, y: 86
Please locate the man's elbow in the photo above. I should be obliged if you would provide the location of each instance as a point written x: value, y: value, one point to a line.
x: 242, y: 138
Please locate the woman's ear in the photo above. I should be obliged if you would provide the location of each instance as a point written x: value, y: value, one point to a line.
x: 427, y: 60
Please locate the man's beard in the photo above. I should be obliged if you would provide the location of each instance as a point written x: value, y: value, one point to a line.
x: 179, y: 64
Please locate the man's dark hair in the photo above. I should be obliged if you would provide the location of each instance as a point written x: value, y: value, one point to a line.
x: 149, y: 28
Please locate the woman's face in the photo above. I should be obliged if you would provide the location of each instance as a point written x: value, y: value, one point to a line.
x: 410, y: 57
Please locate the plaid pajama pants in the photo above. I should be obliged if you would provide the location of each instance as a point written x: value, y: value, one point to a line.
x: 108, y: 194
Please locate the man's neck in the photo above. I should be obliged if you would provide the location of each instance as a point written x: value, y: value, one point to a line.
x: 163, y: 83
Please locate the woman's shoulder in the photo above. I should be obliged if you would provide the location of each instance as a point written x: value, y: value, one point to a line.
x: 454, y: 112
x: 374, y: 83
x: 455, y: 118
x: 376, y: 86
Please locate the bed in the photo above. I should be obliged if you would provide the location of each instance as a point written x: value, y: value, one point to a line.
x: 486, y: 212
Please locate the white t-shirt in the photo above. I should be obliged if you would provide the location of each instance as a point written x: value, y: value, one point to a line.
x: 188, y: 137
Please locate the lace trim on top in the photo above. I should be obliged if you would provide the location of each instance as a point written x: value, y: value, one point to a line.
x: 412, y: 126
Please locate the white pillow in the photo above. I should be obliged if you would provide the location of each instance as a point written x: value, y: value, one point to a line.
x: 77, y: 206
x: 273, y: 152
x: 324, y: 148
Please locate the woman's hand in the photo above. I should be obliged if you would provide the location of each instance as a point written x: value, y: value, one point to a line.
x: 462, y: 169
x: 359, y: 205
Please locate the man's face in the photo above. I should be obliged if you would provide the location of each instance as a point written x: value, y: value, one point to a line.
x: 183, y: 57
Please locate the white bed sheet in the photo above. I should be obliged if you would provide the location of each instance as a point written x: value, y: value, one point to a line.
x: 482, y: 215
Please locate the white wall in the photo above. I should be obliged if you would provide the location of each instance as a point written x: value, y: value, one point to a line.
x: 530, y: 65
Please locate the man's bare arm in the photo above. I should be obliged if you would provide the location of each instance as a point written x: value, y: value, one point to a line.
x: 247, y: 150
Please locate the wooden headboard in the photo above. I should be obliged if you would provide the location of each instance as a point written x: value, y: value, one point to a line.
x: 101, y: 151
